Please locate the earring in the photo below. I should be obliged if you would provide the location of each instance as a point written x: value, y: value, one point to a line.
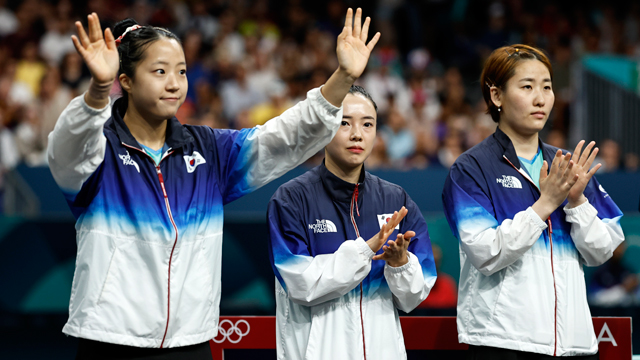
x: 500, y: 109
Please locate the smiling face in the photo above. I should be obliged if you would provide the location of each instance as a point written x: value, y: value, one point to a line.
x: 526, y: 99
x: 159, y: 85
x: 354, y: 141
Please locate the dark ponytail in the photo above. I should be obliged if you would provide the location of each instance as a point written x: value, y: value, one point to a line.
x: 132, y: 47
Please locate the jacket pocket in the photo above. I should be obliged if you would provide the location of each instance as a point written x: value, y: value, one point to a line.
x: 133, y: 299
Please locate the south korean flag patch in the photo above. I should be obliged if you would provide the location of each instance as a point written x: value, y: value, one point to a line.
x: 193, y: 161
x: 385, y: 218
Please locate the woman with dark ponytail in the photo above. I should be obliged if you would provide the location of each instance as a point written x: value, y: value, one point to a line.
x: 148, y: 192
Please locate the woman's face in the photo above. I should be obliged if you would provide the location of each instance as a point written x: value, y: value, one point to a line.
x: 159, y: 85
x: 526, y: 100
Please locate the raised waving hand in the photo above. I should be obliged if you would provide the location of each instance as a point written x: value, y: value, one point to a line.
x: 353, y: 53
x: 352, y: 50
x: 101, y: 56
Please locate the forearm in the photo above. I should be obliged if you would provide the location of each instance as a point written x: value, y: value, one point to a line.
x: 314, y: 280
x: 337, y: 87
x: 77, y: 144
x: 595, y: 238
x: 492, y: 250
x: 408, y: 283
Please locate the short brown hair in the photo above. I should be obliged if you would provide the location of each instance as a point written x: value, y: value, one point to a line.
x: 501, y: 66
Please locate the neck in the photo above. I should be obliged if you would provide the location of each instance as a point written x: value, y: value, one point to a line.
x: 150, y: 134
x: 350, y: 175
x: 526, y: 146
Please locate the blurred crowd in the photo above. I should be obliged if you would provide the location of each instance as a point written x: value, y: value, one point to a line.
x: 249, y: 60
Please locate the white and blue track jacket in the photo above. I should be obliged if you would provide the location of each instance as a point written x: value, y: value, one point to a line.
x: 150, y: 237
x: 333, y: 301
x: 522, y: 284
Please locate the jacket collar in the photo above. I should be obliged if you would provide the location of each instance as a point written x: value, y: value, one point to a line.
x: 509, y: 151
x: 337, y: 188
x: 177, y: 135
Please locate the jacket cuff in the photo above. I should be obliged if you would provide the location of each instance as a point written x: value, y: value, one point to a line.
x: 399, y: 269
x: 535, y: 218
x: 578, y: 209
x: 88, y: 108
x: 364, y: 249
x: 317, y: 96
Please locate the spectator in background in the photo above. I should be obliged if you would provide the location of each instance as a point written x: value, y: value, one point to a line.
x: 614, y: 283
x: 52, y: 100
x: 55, y: 43
x: 400, y: 140
x: 278, y: 102
x: 73, y: 74
x: 30, y: 69
x: 9, y: 158
x: 8, y: 21
x: 237, y: 95
x: 610, y: 156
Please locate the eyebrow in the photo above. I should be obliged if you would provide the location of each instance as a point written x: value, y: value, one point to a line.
x: 166, y: 63
x: 364, y: 117
x: 532, y: 80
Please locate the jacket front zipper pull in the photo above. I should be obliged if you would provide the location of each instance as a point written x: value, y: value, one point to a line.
x: 355, y: 199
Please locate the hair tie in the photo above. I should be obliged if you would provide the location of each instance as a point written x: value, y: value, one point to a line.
x: 130, y: 28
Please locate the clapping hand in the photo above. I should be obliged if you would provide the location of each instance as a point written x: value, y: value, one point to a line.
x: 582, y: 163
x: 376, y: 242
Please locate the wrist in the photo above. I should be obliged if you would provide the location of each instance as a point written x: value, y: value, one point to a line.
x: 399, y: 263
x: 575, y: 203
x: 543, y: 208
x: 345, y: 76
x: 97, y: 96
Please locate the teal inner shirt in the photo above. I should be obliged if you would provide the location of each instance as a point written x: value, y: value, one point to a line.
x: 533, y: 166
x: 156, y: 155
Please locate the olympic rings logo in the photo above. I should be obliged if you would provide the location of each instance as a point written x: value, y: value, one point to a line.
x: 233, y: 328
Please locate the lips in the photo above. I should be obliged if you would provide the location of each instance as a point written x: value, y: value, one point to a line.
x: 539, y: 114
x: 355, y: 149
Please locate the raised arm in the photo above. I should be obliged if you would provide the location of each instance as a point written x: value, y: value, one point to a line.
x: 253, y: 157
x: 77, y: 143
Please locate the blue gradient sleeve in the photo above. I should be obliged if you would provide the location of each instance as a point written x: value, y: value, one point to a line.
x: 420, y: 245
x: 466, y: 206
x: 286, y: 234
x: 233, y: 149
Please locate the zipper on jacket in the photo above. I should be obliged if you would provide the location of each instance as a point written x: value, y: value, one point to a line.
x: 553, y: 275
x: 354, y: 202
x: 175, y: 228
x: 364, y: 347
x: 555, y: 308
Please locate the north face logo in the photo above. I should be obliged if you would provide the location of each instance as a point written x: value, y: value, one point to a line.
x: 127, y: 160
x: 323, y: 226
x: 385, y: 218
x: 510, y: 182
x: 193, y: 161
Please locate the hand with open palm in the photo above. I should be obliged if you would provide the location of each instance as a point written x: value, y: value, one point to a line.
x: 353, y: 54
x: 352, y: 50
x: 583, y: 161
x: 101, y: 56
x: 376, y: 242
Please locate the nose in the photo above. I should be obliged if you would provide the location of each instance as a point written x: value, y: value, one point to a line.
x: 356, y: 133
x: 539, y: 99
x: 172, y: 83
